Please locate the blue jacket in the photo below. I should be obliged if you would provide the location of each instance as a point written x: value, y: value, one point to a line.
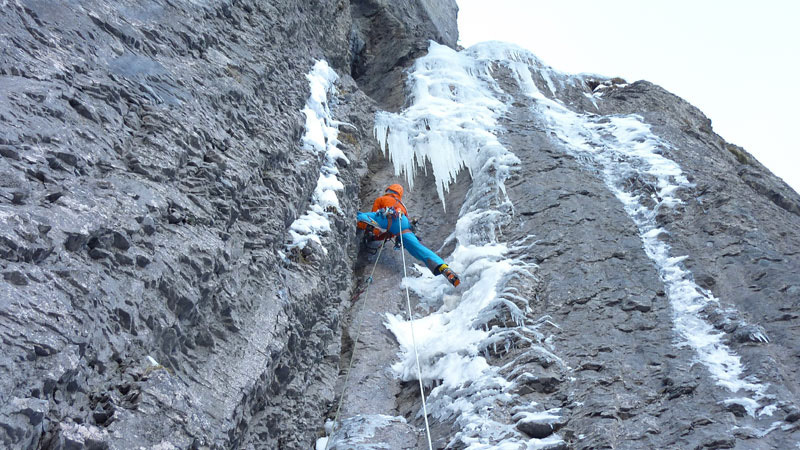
x: 410, y: 242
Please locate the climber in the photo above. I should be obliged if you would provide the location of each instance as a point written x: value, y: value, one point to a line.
x: 389, y: 218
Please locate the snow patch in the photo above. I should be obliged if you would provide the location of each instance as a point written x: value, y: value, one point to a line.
x: 320, y: 137
x: 768, y: 410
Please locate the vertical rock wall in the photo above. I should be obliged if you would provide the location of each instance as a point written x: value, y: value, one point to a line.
x: 631, y: 385
x: 150, y: 165
x: 386, y: 38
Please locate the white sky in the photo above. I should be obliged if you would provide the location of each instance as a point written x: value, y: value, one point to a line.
x: 736, y: 60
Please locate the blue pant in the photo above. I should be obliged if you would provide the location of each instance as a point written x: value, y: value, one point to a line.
x: 410, y: 241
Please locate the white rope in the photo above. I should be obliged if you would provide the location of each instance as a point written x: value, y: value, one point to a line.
x: 413, y: 340
x: 355, y: 343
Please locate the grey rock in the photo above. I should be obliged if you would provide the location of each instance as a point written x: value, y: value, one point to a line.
x: 542, y: 384
x: 96, y: 253
x: 123, y: 259
x: 15, y: 277
x: 23, y: 421
x: 8, y: 152
x: 717, y: 443
x: 75, y: 241
x: 142, y: 261
x: 148, y: 225
x: 68, y: 158
x: 18, y: 198
x: 375, y: 431
x: 120, y: 241
x: 383, y: 44
x: 149, y: 171
x: 149, y: 163
x: 536, y: 430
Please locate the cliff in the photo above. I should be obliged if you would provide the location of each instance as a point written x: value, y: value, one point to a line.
x: 152, y: 165
x: 180, y: 267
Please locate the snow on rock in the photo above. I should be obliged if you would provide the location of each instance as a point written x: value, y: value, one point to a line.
x: 540, y: 424
x: 452, y: 123
x: 320, y: 137
x: 622, y: 148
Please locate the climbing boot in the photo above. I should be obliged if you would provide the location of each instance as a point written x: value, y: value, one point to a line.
x: 448, y: 273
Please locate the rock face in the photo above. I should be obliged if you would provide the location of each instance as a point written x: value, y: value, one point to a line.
x: 152, y: 162
x: 388, y: 35
x: 632, y: 387
x: 151, y: 165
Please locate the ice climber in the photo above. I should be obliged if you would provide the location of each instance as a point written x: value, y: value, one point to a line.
x: 389, y: 218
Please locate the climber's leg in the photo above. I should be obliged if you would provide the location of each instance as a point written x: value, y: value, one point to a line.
x: 422, y: 253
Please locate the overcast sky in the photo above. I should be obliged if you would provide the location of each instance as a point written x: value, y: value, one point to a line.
x: 736, y: 60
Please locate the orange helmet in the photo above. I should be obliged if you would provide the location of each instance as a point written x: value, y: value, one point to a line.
x: 395, y: 188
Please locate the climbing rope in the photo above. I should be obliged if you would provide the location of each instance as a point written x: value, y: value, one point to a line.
x: 355, y: 343
x: 358, y: 334
x: 414, y: 341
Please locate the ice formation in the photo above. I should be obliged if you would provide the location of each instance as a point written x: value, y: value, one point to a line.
x: 320, y: 138
x: 449, y: 122
x: 452, y: 124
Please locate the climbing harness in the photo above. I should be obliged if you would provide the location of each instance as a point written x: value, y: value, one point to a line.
x: 355, y: 343
x: 414, y: 343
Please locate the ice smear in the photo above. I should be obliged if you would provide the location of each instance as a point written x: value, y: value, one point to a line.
x: 452, y: 122
x: 768, y: 410
x: 624, y: 151
x: 358, y: 431
x: 320, y: 137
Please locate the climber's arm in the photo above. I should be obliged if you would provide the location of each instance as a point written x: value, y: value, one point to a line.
x: 364, y: 217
